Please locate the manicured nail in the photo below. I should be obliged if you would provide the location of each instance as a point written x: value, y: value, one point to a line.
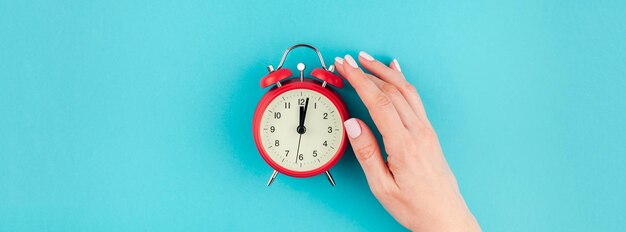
x: 366, y: 56
x: 352, y: 128
x: 339, y: 60
x: 351, y: 61
x: 395, y: 63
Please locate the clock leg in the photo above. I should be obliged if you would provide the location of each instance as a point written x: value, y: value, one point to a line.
x: 330, y: 178
x: 269, y: 182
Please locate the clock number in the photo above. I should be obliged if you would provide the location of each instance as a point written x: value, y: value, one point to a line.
x: 314, y: 153
x: 301, y: 101
x: 325, y: 115
x: 277, y: 143
x: 325, y: 144
x: 314, y: 105
x: 330, y: 129
x: 286, y: 153
x: 300, y: 157
x: 287, y: 105
x: 277, y: 115
x: 272, y: 129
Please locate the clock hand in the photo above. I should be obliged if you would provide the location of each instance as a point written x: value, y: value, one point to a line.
x: 298, y: 150
x: 302, y: 115
x: 301, y: 129
x: 306, y: 106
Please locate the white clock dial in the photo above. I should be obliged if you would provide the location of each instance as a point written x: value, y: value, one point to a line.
x: 306, y: 148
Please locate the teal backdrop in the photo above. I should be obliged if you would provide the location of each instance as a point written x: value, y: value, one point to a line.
x: 136, y: 115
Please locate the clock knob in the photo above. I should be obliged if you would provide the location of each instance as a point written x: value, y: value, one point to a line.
x: 301, y: 68
x: 328, y: 77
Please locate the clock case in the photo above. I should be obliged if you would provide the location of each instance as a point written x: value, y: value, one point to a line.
x: 282, y: 81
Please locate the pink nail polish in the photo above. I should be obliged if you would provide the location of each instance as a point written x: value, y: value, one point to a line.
x: 395, y: 63
x: 339, y: 60
x: 366, y: 56
x: 351, y: 61
x: 352, y: 128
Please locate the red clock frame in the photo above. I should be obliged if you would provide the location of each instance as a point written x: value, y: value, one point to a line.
x: 294, y: 84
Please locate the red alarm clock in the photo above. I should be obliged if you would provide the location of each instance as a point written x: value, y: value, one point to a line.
x: 298, y: 124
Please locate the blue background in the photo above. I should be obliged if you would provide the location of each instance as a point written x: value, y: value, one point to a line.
x: 136, y: 115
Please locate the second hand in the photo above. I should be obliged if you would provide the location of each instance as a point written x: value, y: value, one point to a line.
x: 298, y: 150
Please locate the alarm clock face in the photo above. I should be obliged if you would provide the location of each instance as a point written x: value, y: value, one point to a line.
x: 301, y: 130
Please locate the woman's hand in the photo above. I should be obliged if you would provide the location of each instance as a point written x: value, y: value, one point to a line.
x: 415, y: 186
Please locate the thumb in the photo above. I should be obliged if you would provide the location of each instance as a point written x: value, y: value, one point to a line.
x: 368, y: 154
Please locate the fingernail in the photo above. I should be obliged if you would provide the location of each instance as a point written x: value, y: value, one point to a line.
x: 339, y: 60
x: 351, y: 61
x: 395, y: 63
x: 366, y: 56
x: 352, y: 128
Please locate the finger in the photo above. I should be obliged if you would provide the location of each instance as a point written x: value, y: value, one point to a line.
x: 395, y: 66
x: 339, y: 64
x: 368, y: 154
x: 394, y: 76
x: 407, y: 115
x: 377, y: 102
x: 377, y: 68
x: 410, y: 92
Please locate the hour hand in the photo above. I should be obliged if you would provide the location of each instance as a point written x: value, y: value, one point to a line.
x: 301, y: 129
x: 302, y: 113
